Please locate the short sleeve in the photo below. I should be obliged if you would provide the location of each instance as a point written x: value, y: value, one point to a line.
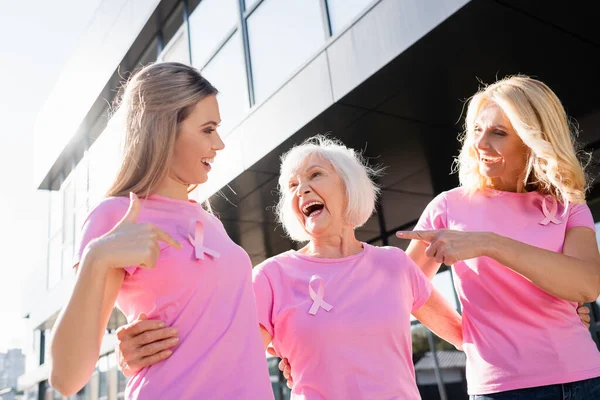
x: 263, y: 293
x: 420, y: 286
x: 580, y: 215
x: 99, y: 222
x: 435, y: 214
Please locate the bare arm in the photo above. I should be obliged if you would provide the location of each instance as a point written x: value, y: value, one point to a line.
x: 78, y: 332
x: 573, y: 275
x: 416, y: 251
x: 441, y: 318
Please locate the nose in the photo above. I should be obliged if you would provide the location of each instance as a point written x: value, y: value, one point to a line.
x: 303, y: 188
x: 218, y: 143
x: 481, y: 141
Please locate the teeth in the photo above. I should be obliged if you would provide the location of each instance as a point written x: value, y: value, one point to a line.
x: 311, y: 204
x: 207, y: 160
x: 489, y: 159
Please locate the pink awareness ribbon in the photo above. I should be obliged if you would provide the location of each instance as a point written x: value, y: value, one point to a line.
x: 550, y: 215
x: 198, y: 241
x: 318, y: 296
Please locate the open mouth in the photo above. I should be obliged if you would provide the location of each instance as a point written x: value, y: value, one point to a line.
x: 207, y: 161
x: 489, y: 159
x: 312, y: 209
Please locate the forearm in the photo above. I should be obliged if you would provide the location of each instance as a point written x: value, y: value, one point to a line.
x: 561, y: 275
x: 78, y: 332
x: 441, y: 318
x: 416, y: 251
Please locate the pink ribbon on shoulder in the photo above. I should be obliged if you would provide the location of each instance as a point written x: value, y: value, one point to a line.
x: 550, y: 214
x: 198, y: 241
x: 318, y: 296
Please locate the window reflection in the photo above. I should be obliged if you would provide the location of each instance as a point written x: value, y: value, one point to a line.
x: 209, y: 24
x: 342, y: 12
x: 283, y: 35
x: 226, y: 71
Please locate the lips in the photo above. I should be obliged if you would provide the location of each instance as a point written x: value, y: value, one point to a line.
x: 207, y: 162
x: 312, y: 208
x: 489, y: 159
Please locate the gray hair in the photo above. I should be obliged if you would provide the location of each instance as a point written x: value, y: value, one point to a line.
x: 353, y: 170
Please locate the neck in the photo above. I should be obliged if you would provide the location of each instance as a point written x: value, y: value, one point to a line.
x: 173, y: 188
x: 340, y: 245
x: 514, y: 185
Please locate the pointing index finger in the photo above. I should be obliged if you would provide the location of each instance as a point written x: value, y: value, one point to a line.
x: 425, y: 236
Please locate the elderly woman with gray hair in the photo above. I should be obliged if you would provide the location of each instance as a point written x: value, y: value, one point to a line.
x: 338, y: 309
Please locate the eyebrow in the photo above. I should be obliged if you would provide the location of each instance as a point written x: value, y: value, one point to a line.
x: 313, y: 166
x: 209, y: 123
x: 492, y: 126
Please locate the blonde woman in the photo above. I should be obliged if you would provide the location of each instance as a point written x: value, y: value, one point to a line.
x: 521, y: 241
x: 165, y: 256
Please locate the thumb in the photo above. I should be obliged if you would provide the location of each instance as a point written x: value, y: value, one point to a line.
x: 134, y: 208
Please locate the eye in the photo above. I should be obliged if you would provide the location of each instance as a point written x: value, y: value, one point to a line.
x: 314, y: 175
x: 499, y: 133
x: 209, y: 130
x: 292, y: 185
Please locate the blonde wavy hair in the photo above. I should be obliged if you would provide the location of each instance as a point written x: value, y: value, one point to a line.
x: 539, y: 118
x: 152, y: 106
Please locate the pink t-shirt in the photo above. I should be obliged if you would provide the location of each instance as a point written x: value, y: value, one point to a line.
x: 220, y: 354
x: 515, y: 334
x: 362, y: 347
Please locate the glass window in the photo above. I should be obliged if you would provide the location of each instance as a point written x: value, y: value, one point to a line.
x: 226, y: 71
x: 283, y: 34
x: 121, y: 384
x: 54, y: 259
x: 209, y: 24
x: 68, y: 191
x: 342, y: 12
x: 250, y: 3
x: 56, y: 211
x: 81, y: 182
x: 105, y: 158
x: 177, y: 50
x: 103, y: 380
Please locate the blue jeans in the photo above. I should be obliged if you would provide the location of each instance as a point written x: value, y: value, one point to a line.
x: 580, y: 390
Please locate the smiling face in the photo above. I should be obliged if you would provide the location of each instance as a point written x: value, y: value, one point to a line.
x: 501, y: 153
x: 197, y: 142
x: 319, y: 197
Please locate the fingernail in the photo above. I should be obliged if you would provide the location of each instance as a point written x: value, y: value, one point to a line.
x: 174, y: 331
x: 161, y: 325
x: 175, y: 339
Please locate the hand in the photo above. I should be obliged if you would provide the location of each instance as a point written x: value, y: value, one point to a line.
x: 284, y: 366
x: 583, y: 312
x: 143, y: 343
x: 130, y: 243
x: 450, y: 246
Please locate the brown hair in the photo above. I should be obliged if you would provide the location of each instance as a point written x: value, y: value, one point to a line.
x: 153, y: 104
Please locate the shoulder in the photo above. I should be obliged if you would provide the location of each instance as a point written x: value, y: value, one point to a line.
x: 387, y: 255
x: 110, y: 209
x: 273, y: 264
